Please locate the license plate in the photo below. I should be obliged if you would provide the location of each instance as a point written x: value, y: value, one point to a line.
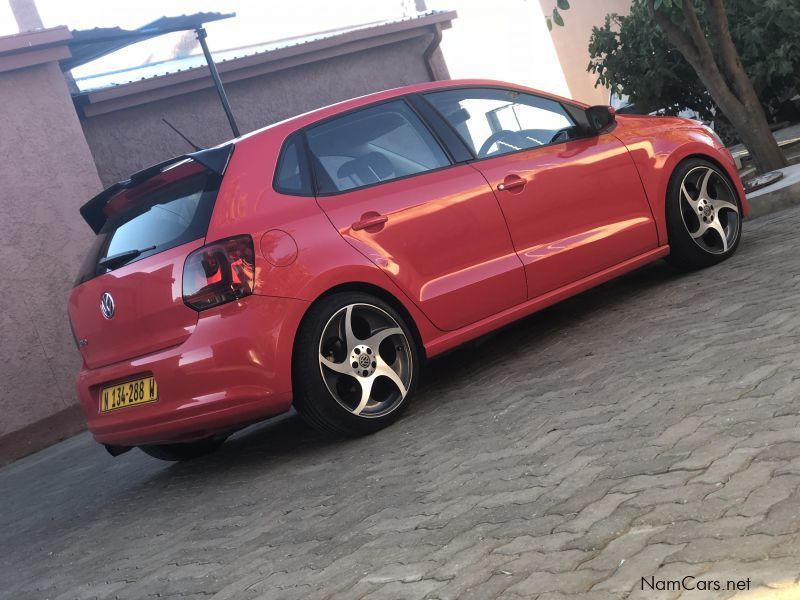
x: 130, y: 393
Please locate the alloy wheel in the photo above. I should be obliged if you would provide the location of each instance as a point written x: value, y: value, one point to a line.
x: 709, y: 210
x: 365, y: 360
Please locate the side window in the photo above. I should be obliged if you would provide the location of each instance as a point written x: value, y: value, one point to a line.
x: 372, y: 146
x: 292, y: 175
x: 495, y: 121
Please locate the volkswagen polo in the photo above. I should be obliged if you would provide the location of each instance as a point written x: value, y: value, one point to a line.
x: 319, y: 262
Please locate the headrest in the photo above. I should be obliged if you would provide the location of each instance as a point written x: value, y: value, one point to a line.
x: 369, y: 168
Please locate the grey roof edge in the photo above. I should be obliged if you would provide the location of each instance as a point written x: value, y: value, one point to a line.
x: 154, y: 88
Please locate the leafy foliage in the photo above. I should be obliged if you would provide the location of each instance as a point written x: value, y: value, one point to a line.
x: 631, y: 53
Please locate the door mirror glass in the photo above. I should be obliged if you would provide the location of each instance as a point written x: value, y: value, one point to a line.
x: 600, y: 117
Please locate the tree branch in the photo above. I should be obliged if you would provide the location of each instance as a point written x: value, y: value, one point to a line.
x: 729, y: 57
x: 676, y: 35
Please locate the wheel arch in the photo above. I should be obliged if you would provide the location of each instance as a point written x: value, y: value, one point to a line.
x: 375, y: 290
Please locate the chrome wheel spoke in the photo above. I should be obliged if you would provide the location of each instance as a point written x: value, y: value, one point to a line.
x: 376, y: 340
x: 717, y: 226
x: 350, y: 339
x: 366, y: 392
x: 341, y: 367
x: 688, y: 198
x: 704, y: 185
x: 385, y: 370
x: 720, y: 205
x: 700, y: 231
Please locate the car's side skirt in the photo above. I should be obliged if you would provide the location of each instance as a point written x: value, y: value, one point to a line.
x: 451, y: 339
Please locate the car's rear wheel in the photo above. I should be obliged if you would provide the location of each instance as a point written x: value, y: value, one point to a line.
x: 183, y: 451
x: 703, y: 211
x: 356, y: 365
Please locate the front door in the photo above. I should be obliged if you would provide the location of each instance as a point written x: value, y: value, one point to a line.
x: 574, y: 205
x: 434, y: 228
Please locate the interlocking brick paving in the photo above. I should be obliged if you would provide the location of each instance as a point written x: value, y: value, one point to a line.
x: 648, y: 428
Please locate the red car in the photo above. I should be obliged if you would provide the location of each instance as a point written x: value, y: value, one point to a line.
x: 318, y: 262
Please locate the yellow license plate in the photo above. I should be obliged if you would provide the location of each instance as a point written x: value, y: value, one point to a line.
x: 130, y: 393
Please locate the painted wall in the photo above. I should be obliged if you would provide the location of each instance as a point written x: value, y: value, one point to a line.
x: 130, y: 139
x: 46, y: 173
x: 572, y: 43
x: 502, y: 39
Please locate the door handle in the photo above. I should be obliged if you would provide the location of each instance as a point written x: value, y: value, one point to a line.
x: 370, y: 220
x: 511, y: 182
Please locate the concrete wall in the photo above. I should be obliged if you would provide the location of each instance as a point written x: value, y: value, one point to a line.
x: 46, y: 173
x: 572, y: 43
x: 126, y: 140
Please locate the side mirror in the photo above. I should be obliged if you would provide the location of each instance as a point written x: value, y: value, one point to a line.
x: 600, y: 117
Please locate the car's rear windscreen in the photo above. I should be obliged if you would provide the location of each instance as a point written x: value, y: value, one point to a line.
x: 163, y: 212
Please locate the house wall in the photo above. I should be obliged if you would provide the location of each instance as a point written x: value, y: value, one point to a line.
x: 46, y: 173
x: 572, y: 43
x: 129, y: 139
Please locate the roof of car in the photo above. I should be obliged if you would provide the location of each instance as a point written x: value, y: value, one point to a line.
x: 292, y: 124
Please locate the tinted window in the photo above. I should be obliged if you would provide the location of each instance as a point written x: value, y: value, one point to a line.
x: 170, y: 215
x: 371, y: 146
x: 494, y: 121
x: 292, y: 175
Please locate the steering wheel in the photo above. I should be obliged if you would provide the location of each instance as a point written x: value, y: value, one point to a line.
x: 510, y: 138
x: 562, y: 135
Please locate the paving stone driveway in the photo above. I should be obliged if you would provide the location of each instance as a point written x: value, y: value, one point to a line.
x: 648, y: 428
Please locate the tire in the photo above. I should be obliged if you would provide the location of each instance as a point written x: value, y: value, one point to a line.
x: 704, y: 215
x: 355, y: 366
x: 183, y: 451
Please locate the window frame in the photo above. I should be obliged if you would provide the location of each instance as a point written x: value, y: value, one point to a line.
x: 573, y: 110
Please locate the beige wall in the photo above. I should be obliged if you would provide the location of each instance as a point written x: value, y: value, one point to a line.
x: 46, y: 172
x: 130, y: 139
x: 572, y: 43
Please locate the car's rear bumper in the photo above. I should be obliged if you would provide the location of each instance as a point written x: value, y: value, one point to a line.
x: 234, y: 369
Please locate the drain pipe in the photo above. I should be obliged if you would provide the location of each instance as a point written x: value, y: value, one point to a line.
x: 428, y: 55
x: 201, y: 37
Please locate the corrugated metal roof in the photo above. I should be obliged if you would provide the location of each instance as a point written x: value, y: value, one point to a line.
x: 156, y: 69
x: 90, y: 44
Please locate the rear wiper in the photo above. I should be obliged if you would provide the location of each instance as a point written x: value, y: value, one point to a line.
x: 117, y: 260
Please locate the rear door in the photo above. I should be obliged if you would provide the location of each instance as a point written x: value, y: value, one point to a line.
x: 575, y: 205
x: 433, y: 227
x: 133, y: 305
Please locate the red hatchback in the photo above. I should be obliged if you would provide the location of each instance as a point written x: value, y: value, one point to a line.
x: 320, y: 261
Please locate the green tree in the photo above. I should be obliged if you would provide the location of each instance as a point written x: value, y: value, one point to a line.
x: 700, y: 30
x: 631, y: 55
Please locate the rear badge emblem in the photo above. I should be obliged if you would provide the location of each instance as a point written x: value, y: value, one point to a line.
x: 107, y: 305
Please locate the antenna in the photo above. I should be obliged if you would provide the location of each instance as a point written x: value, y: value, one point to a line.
x: 187, y: 140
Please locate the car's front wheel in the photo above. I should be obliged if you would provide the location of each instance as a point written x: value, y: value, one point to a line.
x: 356, y: 364
x: 704, y: 215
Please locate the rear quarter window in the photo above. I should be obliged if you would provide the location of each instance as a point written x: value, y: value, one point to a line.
x: 168, y: 215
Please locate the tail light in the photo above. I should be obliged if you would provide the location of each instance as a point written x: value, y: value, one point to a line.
x: 219, y: 272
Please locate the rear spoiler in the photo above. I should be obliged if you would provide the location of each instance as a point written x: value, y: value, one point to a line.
x: 214, y: 159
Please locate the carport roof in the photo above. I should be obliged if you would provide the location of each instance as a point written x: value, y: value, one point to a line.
x: 112, y: 91
x: 87, y: 45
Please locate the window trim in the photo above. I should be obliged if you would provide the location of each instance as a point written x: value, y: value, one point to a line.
x: 569, y: 107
